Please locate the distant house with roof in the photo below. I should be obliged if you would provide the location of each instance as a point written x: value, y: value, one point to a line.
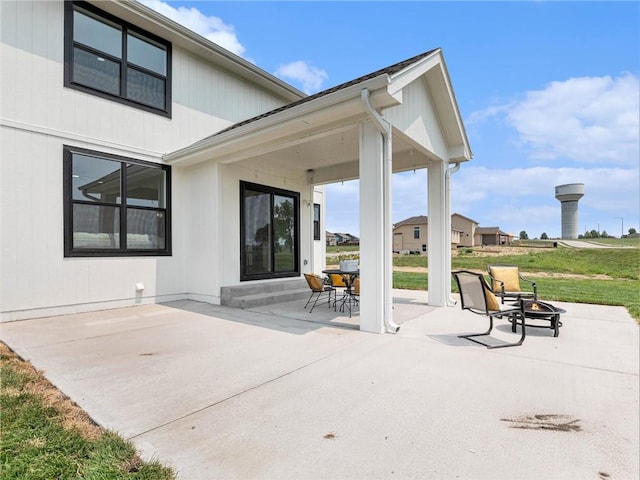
x: 492, y: 236
x: 331, y: 239
x: 410, y: 235
x: 467, y: 228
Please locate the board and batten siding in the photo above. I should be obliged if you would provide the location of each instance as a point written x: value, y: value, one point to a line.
x: 417, y: 118
x: 38, y: 115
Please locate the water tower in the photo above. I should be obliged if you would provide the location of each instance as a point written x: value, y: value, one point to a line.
x: 569, y: 195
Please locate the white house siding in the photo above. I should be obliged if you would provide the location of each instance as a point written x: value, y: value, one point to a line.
x: 38, y: 115
x: 228, y: 220
x: 416, y: 117
x: 320, y: 246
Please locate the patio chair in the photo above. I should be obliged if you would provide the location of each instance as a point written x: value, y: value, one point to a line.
x: 351, y: 297
x: 337, y: 281
x: 476, y: 296
x: 505, y: 283
x: 318, y: 287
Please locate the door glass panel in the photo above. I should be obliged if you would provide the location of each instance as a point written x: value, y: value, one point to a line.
x: 97, y: 34
x: 145, y: 186
x: 146, y: 55
x: 95, y: 179
x: 257, y: 232
x: 284, y: 233
x: 96, y: 226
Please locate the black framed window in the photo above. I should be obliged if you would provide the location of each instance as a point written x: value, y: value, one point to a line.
x: 108, y: 57
x: 269, y: 232
x: 115, y: 206
x: 316, y: 221
x: 416, y: 232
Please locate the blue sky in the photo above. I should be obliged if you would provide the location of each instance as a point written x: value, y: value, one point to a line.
x: 549, y: 93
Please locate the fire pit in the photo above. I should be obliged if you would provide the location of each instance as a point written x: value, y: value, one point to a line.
x: 535, y: 309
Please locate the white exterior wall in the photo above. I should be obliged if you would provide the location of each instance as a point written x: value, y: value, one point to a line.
x: 228, y: 219
x: 38, y: 115
x: 416, y: 117
x: 319, y: 246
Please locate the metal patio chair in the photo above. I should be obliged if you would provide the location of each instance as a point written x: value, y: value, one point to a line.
x: 477, y: 297
x: 318, y: 287
x: 505, y: 283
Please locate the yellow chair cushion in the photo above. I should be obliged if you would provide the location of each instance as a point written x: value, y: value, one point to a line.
x: 508, y: 275
x: 315, y: 282
x: 337, y: 280
x: 492, y: 302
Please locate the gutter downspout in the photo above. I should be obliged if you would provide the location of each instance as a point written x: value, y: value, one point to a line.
x: 450, y: 171
x: 385, y: 129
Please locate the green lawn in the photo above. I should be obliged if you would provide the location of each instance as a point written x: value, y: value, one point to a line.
x: 44, y: 436
x: 621, y: 266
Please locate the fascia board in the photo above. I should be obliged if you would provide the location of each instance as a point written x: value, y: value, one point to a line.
x: 144, y: 17
x: 412, y: 73
x: 193, y: 153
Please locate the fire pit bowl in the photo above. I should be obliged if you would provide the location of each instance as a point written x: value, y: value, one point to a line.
x: 535, y: 309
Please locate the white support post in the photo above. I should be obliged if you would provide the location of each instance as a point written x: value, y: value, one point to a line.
x: 439, y: 221
x: 372, y: 210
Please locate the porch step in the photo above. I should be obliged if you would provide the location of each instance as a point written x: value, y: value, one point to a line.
x: 267, y: 293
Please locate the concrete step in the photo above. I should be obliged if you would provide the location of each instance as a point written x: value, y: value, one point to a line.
x: 267, y: 293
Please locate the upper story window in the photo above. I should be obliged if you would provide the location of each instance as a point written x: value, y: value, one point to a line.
x: 115, y: 206
x: 416, y: 232
x: 108, y: 57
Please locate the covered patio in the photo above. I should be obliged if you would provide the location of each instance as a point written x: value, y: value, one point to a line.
x: 403, y: 117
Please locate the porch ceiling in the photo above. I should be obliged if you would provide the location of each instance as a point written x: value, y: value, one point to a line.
x: 333, y: 156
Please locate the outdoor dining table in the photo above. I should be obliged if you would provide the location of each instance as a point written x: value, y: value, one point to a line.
x: 349, y: 276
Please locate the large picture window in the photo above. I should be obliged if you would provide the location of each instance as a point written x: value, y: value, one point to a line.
x: 115, y: 205
x: 111, y: 58
x: 269, y: 233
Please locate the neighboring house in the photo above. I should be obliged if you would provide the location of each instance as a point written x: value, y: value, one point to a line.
x: 410, y: 235
x: 331, y: 239
x: 492, y: 236
x: 346, y: 238
x: 466, y: 228
x: 172, y: 169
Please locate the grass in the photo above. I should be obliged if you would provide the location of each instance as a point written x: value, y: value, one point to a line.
x: 592, y: 276
x: 45, y: 436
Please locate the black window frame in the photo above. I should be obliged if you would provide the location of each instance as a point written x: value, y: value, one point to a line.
x: 69, y: 202
x: 272, y: 191
x: 417, y: 232
x: 316, y: 223
x: 127, y: 28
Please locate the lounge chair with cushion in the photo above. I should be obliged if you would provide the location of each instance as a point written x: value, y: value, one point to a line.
x: 476, y: 296
x: 505, y: 283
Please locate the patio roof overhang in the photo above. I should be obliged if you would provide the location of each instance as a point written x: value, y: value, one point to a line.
x: 321, y: 135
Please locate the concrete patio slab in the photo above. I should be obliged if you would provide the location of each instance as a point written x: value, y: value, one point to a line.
x: 276, y: 392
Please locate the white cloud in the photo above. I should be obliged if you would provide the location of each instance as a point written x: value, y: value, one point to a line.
x: 524, y: 198
x: 587, y: 120
x: 212, y: 28
x: 310, y: 77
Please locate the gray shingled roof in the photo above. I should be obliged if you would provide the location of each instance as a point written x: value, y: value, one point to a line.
x: 419, y: 220
x: 387, y: 70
